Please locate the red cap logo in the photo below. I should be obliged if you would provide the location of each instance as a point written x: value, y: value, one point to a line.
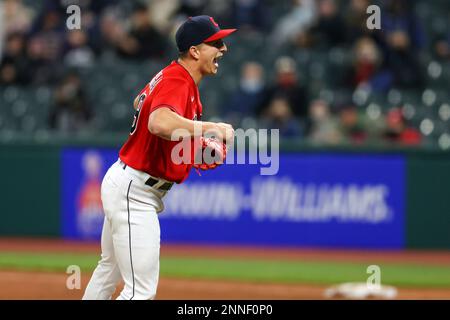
x: 215, y: 23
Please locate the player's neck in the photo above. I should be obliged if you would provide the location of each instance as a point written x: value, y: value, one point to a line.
x: 192, y: 69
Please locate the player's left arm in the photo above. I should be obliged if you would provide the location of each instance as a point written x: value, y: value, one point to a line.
x: 136, y: 102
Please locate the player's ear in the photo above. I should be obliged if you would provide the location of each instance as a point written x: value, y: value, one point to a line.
x: 195, y: 52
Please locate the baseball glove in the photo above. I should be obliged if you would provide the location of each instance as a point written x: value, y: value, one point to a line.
x: 211, y: 152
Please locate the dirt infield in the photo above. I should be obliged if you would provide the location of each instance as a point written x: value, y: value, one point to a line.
x: 35, y: 285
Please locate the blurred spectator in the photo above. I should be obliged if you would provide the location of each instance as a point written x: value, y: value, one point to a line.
x: 293, y: 27
x: 398, y: 131
x: 161, y: 13
x: 98, y: 6
x: 14, y: 64
x: 41, y: 69
x: 442, y: 48
x: 279, y: 116
x: 50, y: 29
x: 17, y: 17
x: 287, y: 84
x: 356, y: 20
x: 143, y: 41
x: 90, y: 26
x: 366, y: 70
x: 322, y: 125
x: 45, y: 47
x: 399, y: 17
x: 249, y: 15
x: 8, y: 74
x: 190, y: 8
x: 78, y: 53
x: 351, y: 125
x: 401, y: 39
x: 367, y: 61
x: 249, y: 95
x: 222, y: 11
x: 329, y: 30
x: 70, y: 112
x: 111, y: 30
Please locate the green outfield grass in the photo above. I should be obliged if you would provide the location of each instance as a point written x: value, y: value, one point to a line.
x: 313, y: 272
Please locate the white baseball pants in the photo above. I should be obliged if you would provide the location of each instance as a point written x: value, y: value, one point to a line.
x: 130, y: 240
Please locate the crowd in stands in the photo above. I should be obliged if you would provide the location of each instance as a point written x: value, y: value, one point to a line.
x: 37, y: 49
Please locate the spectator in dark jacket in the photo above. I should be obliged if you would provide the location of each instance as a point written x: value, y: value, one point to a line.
x: 250, y: 15
x: 330, y: 27
x: 143, y: 41
x: 14, y: 64
x: 401, y: 39
x: 279, y: 116
x: 287, y: 84
x: 70, y: 112
x: 356, y: 20
x: 248, y: 96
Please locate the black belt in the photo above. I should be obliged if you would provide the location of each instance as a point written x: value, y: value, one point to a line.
x: 152, y: 181
x: 164, y: 187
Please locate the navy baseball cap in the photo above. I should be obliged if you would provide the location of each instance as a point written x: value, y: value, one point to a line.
x: 199, y: 29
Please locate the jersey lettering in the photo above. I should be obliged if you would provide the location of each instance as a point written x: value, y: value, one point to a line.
x: 136, y: 114
x: 156, y: 79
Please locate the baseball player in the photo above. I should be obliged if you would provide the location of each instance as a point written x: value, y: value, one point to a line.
x: 133, y: 188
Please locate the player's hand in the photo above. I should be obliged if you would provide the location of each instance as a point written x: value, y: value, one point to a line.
x: 212, y: 153
x: 225, y: 130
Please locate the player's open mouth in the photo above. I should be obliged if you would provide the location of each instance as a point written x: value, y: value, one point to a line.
x: 216, y: 61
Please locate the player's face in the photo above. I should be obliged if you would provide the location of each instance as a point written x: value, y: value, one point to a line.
x: 210, y: 54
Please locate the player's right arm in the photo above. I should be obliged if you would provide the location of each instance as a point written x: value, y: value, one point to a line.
x: 163, y: 122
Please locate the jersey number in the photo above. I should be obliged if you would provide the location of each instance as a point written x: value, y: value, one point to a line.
x: 136, y: 114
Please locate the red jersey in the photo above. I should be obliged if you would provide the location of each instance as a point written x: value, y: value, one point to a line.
x: 174, y: 88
